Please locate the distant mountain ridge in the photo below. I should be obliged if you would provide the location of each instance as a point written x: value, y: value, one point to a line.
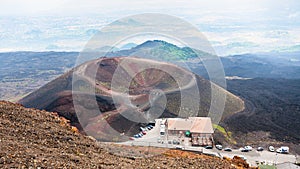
x: 264, y: 65
x: 158, y: 49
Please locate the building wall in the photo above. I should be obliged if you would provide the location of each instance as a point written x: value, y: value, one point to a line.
x: 207, y: 135
x: 202, y: 139
x: 176, y: 132
x: 182, y: 132
x: 198, y: 139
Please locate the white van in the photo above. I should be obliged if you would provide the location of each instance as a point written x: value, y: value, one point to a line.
x: 283, y: 150
x: 162, y: 129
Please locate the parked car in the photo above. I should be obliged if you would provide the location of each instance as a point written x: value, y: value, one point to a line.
x: 150, y: 126
x: 144, y: 132
x: 179, y: 147
x: 283, y: 150
x: 142, y: 129
x: 242, y: 149
x: 208, y: 147
x: 219, y: 147
x: 176, y: 142
x: 249, y: 148
x: 271, y: 148
x: 162, y: 129
x: 227, y: 149
x: 260, y: 149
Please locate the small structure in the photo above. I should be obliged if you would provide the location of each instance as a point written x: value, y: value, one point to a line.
x: 198, y: 129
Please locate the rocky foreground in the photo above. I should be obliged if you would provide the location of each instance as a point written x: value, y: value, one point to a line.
x: 31, y: 138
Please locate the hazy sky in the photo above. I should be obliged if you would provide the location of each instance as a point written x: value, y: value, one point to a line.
x: 232, y: 26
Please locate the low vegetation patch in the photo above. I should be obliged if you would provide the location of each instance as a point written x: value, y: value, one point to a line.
x: 226, y: 134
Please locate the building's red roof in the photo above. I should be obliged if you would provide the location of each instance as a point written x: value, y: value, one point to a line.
x: 193, y: 124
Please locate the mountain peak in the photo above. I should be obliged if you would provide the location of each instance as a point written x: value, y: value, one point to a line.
x: 159, y: 49
x: 156, y: 43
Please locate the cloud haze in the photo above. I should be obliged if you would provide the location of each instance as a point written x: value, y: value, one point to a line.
x: 232, y: 26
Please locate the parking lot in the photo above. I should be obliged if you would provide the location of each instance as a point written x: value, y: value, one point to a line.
x: 255, y: 156
x: 155, y: 139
